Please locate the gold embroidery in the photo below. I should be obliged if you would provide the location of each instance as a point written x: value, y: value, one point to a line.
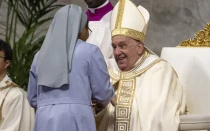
x: 114, y: 77
x: 9, y: 84
x: 129, y: 32
x: 202, y: 39
x: 125, y: 95
x: 138, y: 73
x: 125, y: 31
x: 120, y: 14
x: 125, y: 84
x: 186, y: 112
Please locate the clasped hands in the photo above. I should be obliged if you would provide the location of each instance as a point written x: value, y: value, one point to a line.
x: 99, y: 106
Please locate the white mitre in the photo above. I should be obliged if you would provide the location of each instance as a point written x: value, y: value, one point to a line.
x: 129, y: 20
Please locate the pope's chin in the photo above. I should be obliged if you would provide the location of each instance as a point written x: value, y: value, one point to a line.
x: 122, y: 66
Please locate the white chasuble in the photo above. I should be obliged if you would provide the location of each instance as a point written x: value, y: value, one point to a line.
x: 149, y: 98
x: 15, y: 111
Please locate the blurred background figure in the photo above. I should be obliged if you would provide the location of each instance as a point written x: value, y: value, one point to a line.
x: 15, y: 111
x: 99, y: 13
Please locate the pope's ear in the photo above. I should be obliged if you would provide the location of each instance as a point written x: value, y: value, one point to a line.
x: 141, y: 47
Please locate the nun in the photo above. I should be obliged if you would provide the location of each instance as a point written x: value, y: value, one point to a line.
x: 66, y: 74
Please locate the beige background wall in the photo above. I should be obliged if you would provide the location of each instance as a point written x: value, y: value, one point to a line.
x: 171, y: 21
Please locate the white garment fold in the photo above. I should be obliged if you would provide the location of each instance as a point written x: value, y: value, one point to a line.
x: 157, y: 103
x: 16, y: 112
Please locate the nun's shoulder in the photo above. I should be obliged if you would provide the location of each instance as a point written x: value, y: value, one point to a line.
x: 35, y: 57
x: 88, y: 47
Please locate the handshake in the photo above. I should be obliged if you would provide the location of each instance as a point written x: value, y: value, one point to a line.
x: 98, y: 106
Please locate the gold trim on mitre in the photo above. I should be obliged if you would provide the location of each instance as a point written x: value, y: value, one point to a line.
x: 129, y: 32
x: 120, y: 14
x: 202, y: 39
x: 120, y: 30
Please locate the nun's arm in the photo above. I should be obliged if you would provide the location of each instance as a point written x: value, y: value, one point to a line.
x: 32, y: 85
x: 102, y: 89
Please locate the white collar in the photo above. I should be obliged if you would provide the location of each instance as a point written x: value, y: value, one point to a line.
x: 92, y: 10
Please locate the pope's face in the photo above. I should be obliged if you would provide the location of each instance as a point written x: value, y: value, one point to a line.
x: 94, y: 3
x: 126, y: 51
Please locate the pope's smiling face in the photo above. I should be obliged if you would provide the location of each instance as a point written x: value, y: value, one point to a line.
x: 126, y: 51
